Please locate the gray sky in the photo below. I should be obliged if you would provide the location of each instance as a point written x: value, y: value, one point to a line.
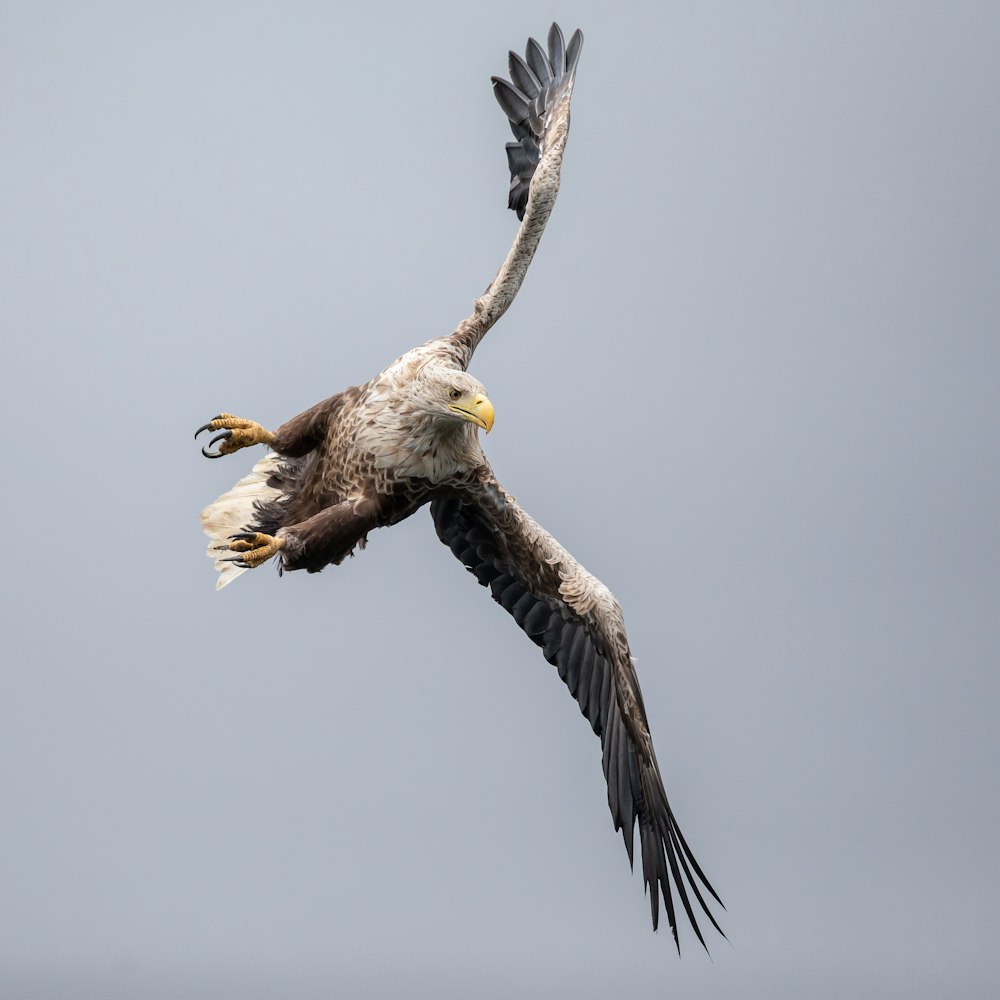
x: 751, y: 382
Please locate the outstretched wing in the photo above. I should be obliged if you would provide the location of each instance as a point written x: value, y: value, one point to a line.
x: 536, y: 102
x: 578, y: 623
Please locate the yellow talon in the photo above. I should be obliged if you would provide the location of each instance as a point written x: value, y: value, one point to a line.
x: 255, y: 548
x: 236, y: 433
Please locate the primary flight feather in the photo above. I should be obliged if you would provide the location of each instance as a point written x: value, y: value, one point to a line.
x: 373, y: 454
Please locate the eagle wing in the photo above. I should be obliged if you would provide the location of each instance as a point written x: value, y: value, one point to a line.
x: 579, y: 625
x: 536, y: 101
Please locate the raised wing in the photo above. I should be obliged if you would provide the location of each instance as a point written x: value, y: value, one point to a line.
x: 578, y: 623
x: 536, y: 101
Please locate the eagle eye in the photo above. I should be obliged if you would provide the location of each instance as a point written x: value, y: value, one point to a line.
x: 454, y: 393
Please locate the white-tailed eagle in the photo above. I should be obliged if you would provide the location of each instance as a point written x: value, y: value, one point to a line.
x: 375, y: 453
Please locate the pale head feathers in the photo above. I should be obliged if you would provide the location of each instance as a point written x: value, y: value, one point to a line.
x: 434, y: 388
x: 409, y: 426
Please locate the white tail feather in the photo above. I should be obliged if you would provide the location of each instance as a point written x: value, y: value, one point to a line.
x: 233, y: 512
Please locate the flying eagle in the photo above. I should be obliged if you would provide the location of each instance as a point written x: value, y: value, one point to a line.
x: 373, y: 454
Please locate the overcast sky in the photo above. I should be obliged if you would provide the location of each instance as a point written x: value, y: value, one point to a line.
x: 751, y: 382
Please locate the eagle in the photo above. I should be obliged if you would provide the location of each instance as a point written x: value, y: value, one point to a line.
x: 374, y: 454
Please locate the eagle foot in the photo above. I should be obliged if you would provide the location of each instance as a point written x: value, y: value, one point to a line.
x: 254, y: 548
x: 236, y: 433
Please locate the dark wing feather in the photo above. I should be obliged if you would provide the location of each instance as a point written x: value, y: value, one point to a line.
x: 522, y: 77
x: 557, y: 51
x: 538, y: 61
x: 539, y: 83
x: 506, y: 551
x: 515, y: 105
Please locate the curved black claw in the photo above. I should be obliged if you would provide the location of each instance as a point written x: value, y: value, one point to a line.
x: 208, y: 426
x: 252, y: 549
x: 242, y: 536
x: 225, y: 435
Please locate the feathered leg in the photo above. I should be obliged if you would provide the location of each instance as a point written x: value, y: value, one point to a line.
x: 327, y: 537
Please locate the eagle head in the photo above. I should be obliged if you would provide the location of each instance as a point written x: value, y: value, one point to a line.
x: 449, y: 395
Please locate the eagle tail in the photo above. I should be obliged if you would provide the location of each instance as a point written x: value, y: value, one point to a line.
x: 234, y: 512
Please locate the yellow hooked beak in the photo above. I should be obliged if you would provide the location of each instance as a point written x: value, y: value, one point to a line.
x: 478, y: 410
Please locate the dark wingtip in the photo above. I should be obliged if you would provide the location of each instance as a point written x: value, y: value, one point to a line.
x: 522, y: 77
x: 537, y: 83
x: 536, y: 58
x: 573, y: 51
x: 677, y: 941
x: 557, y: 50
x: 513, y: 102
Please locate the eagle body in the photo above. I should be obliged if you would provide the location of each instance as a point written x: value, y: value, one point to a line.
x: 374, y: 454
x: 379, y: 449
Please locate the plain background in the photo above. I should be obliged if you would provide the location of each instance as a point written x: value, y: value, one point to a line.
x: 751, y: 382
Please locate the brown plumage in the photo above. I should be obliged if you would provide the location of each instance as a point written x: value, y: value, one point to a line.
x: 372, y: 455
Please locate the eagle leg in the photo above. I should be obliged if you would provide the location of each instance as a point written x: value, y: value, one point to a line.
x: 236, y: 433
x: 254, y: 548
